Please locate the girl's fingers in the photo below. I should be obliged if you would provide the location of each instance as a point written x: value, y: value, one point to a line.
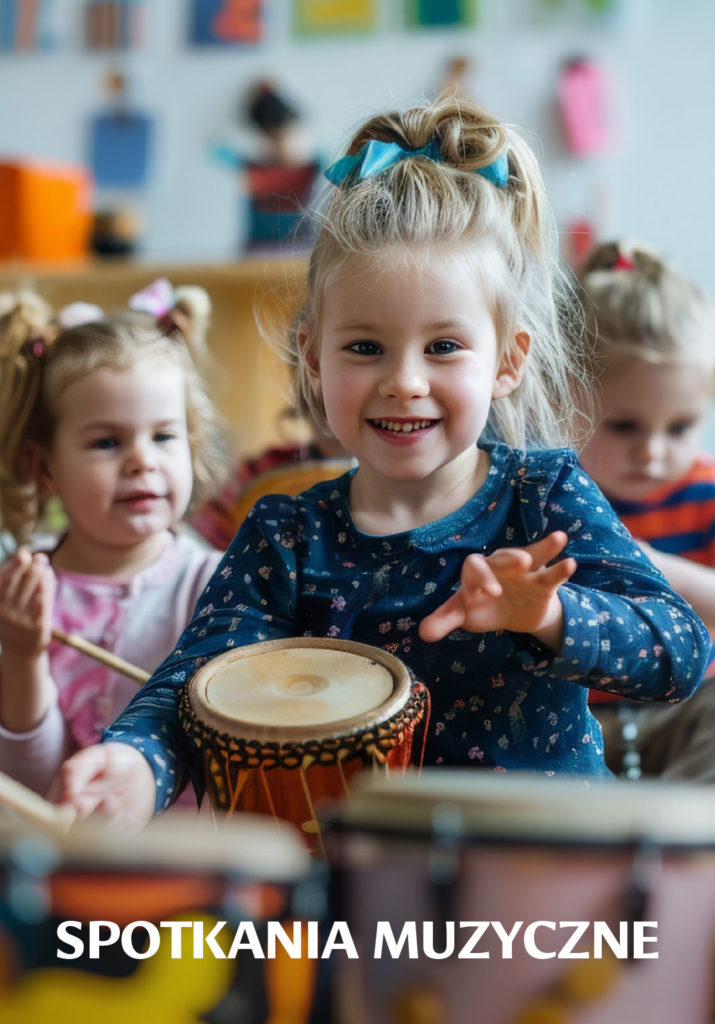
x: 83, y: 805
x: 555, y: 575
x: 478, y: 581
x: 31, y: 583
x: 443, y: 620
x: 544, y: 550
x: 482, y: 577
x: 478, y: 574
x: 506, y: 560
x: 533, y: 558
x: 14, y: 576
x: 80, y: 770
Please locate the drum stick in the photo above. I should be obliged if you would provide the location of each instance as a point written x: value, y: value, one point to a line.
x: 33, y: 807
x: 99, y: 654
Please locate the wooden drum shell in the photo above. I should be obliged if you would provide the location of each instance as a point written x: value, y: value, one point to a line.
x: 283, y: 771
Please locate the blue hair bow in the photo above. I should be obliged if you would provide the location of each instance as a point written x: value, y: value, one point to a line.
x: 376, y: 157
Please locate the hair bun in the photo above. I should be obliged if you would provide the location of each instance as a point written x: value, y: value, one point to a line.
x: 624, y: 255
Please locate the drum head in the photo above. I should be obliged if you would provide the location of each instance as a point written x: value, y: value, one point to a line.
x: 299, y: 688
x: 247, y: 847
x: 526, y: 807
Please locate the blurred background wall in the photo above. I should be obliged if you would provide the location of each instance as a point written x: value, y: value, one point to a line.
x: 652, y: 179
x: 626, y: 141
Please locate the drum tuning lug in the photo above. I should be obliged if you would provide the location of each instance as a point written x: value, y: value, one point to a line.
x: 309, y: 898
x: 637, y: 896
x: 443, y: 862
x: 32, y: 861
x: 631, y: 758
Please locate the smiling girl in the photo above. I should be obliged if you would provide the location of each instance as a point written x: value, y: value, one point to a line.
x: 435, y: 341
x: 111, y: 418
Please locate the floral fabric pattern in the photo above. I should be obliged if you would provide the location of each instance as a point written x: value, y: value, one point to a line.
x: 299, y: 567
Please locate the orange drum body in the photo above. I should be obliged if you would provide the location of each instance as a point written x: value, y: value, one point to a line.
x: 282, y: 724
x: 101, y: 925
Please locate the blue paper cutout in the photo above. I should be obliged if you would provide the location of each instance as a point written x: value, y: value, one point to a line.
x: 120, y: 145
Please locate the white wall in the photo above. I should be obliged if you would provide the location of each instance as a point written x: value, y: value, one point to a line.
x: 656, y: 185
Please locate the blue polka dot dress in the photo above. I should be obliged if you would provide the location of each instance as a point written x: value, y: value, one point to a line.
x: 299, y: 567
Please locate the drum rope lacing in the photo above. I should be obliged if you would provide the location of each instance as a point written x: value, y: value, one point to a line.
x: 372, y: 743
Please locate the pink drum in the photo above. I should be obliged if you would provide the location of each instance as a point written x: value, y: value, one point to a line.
x: 520, y: 899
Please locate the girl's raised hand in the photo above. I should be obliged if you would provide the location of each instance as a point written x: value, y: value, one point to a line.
x: 27, y: 591
x: 513, y: 589
x: 112, y: 779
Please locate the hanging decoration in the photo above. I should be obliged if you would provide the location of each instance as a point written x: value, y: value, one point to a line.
x: 576, y: 8
x: 333, y: 17
x: 120, y: 141
x: 226, y: 22
x: 26, y: 25
x: 436, y: 13
x: 113, y: 24
x: 584, y: 103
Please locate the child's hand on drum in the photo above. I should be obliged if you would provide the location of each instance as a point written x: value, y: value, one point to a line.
x: 27, y: 591
x: 512, y: 589
x: 112, y: 779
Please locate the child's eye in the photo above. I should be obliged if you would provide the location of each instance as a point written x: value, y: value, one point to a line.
x: 105, y: 443
x: 623, y: 426
x: 443, y: 347
x: 680, y: 428
x: 365, y: 348
x: 164, y: 435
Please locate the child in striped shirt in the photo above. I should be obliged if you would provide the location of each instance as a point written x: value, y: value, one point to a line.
x: 656, y: 350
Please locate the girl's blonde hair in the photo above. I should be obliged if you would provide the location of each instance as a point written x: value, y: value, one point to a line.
x: 39, y: 360
x: 421, y: 202
x: 641, y: 307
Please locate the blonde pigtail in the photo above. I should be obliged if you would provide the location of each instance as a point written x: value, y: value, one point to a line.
x: 208, y: 433
x: 193, y: 304
x: 26, y: 332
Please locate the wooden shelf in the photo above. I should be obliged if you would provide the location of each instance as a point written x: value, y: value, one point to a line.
x: 251, y: 383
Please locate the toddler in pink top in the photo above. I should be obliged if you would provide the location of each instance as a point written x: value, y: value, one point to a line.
x: 112, y: 417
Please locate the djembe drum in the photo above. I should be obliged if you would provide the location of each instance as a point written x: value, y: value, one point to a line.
x: 468, y: 856
x: 282, y: 724
x: 96, y: 927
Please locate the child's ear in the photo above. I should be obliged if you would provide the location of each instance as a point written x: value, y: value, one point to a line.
x: 511, y: 366
x: 35, y: 466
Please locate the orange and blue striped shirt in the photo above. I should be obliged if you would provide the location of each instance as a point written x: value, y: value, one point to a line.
x: 678, y: 519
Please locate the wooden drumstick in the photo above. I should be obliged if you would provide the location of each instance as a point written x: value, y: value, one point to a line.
x: 139, y: 675
x: 33, y: 807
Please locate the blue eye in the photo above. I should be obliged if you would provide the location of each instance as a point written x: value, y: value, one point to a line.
x: 105, y: 443
x: 443, y: 347
x: 365, y: 348
x: 163, y: 436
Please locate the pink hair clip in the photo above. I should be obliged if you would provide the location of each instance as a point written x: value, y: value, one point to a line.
x: 157, y: 298
x: 35, y: 346
x: 77, y: 314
